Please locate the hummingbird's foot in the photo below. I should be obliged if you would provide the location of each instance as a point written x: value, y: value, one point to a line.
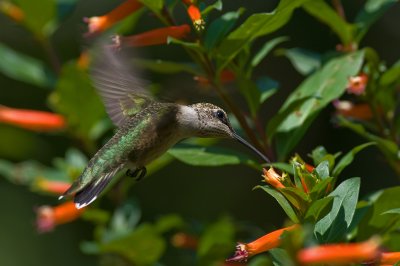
x: 141, y: 171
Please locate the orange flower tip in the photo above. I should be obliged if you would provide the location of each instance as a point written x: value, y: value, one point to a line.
x: 309, y: 167
x: 83, y: 60
x: 356, y: 85
x: 47, y: 217
x: 56, y: 187
x: 183, y: 240
x: 348, y: 109
x: 351, y: 47
x: 195, y: 16
x: 241, y: 254
x: 12, y: 11
x: 227, y: 76
x: 273, y: 178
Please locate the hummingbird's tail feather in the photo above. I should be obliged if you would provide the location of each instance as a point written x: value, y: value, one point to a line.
x: 90, y: 192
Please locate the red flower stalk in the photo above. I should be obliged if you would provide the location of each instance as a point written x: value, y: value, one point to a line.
x: 357, y: 84
x: 152, y: 37
x: 195, y: 15
x: 389, y: 258
x: 187, y: 2
x: 348, y: 109
x: 31, y: 119
x: 271, y: 177
x: 262, y: 244
x: 309, y: 167
x: 340, y: 253
x: 101, y: 23
x: 12, y: 11
x: 183, y: 240
x: 49, y: 217
x: 52, y: 186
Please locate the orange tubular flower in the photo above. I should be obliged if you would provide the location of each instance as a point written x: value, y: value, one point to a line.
x: 340, y: 253
x: 49, y: 217
x: 195, y: 15
x: 183, y: 240
x: 31, y: 119
x: 152, y: 37
x: 272, y: 178
x: 262, y: 244
x: 12, y: 11
x: 389, y: 258
x: 348, y: 109
x: 101, y: 23
x: 55, y: 187
x: 357, y: 84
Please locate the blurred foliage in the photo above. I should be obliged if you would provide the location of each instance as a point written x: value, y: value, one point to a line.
x: 221, y: 48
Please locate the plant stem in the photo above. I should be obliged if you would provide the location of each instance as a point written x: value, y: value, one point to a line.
x: 51, y: 54
x: 339, y: 8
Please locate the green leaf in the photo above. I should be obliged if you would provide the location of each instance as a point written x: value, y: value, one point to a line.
x: 267, y: 88
x: 281, y: 257
x: 141, y: 247
x: 154, y: 5
x: 392, y: 211
x: 317, y: 209
x: 255, y: 26
x: 37, y: 16
x: 388, y: 147
x: 219, y: 28
x: 371, y: 12
x: 374, y: 222
x: 325, y: 13
x: 334, y: 225
x: 265, y: 49
x: 349, y: 157
x: 168, y: 222
x: 166, y: 67
x: 24, y: 68
x: 323, y: 170
x: 208, y: 156
x: 320, y: 89
x: 282, y: 201
x: 217, y: 241
x: 285, y: 167
x: 77, y: 100
x: 216, y: 6
x: 320, y: 154
x: 304, y: 61
x: 320, y: 188
x: 296, y: 197
x: 260, y: 261
x: 286, y: 141
x: 391, y: 76
x: 251, y: 93
x: 190, y: 45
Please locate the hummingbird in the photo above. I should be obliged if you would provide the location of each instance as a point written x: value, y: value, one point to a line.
x: 146, y: 128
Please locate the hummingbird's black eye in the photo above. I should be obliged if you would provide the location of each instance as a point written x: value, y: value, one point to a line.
x: 220, y: 115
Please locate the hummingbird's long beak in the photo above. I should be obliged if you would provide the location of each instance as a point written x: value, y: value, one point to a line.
x: 245, y: 143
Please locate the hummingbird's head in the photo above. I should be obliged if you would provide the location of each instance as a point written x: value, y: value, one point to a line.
x: 212, y: 121
x: 208, y: 120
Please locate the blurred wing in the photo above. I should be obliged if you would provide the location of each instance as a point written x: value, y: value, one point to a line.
x: 122, y: 92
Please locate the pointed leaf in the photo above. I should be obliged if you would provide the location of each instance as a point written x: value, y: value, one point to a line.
x: 371, y: 12
x: 166, y: 67
x: 349, y: 157
x: 38, y: 16
x: 255, y: 26
x: 320, y: 89
x: 316, y: 209
x: 325, y: 13
x: 208, y: 156
x: 24, y: 68
x: 265, y: 49
x: 77, y: 100
x: 288, y: 209
x: 335, y: 223
x: 267, y: 88
x: 304, y: 61
x: 219, y: 28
